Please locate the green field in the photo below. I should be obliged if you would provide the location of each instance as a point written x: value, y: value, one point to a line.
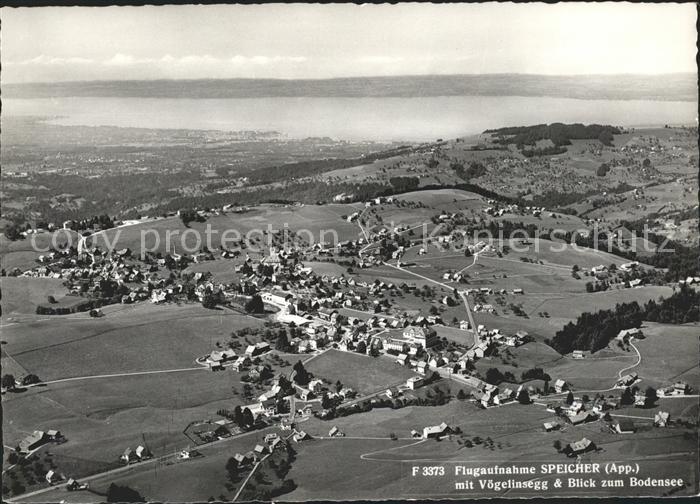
x: 669, y: 353
x: 23, y: 295
x: 322, y: 222
x: 139, y: 337
x: 362, y: 373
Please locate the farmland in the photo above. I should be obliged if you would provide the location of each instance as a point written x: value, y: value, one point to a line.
x: 363, y: 271
x: 362, y: 373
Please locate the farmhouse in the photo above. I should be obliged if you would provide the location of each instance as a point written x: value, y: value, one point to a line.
x: 52, y: 477
x: 32, y: 441
x: 578, y: 354
x: 242, y: 459
x: 661, y: 419
x: 436, y: 431
x: 257, y: 349
x: 623, y: 426
x: 551, y: 426
x: 128, y: 456
x: 627, y: 334
x: 260, y: 451
x: 627, y: 380
x: 392, y: 392
x: 560, y: 386
x: 582, y: 446
x: 335, y: 432
x: 582, y: 417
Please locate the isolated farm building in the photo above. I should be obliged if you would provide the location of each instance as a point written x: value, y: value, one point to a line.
x: 624, y: 426
x: 560, y: 386
x: 73, y: 485
x: 54, y: 435
x: 661, y: 419
x: 335, y: 432
x: 629, y: 266
x: 627, y: 380
x: 52, y: 477
x: 627, y: 334
x: 551, y: 426
x: 32, y: 441
x: 681, y: 388
x: 582, y: 446
x: 128, y: 456
x: 218, y: 357
x: 436, y: 431
x: 142, y: 452
x: 577, y: 354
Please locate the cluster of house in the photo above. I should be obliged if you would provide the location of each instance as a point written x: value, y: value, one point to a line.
x: 89, y: 271
x: 497, y: 210
x: 271, y: 443
x: 490, y: 395
x: 219, y: 359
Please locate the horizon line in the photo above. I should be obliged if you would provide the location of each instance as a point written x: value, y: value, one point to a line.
x: 318, y: 79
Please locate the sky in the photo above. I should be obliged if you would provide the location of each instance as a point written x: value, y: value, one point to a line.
x: 323, y: 41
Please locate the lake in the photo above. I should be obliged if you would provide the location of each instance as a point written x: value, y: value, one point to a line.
x: 354, y: 119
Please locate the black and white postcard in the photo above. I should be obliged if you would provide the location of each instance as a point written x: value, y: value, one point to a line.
x: 342, y: 252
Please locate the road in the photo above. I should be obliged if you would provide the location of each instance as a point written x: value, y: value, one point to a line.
x: 117, y: 375
x: 472, y: 324
x: 639, y: 361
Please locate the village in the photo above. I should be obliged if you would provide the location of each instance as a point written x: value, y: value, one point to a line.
x: 319, y: 313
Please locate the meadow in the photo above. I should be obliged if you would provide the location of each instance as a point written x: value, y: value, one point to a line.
x: 362, y: 373
x: 142, y: 337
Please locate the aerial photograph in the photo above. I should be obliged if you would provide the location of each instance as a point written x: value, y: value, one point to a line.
x: 342, y: 252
